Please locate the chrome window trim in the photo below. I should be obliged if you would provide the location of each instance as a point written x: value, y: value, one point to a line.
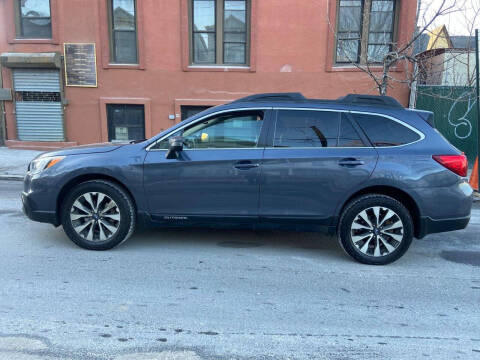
x: 201, y: 119
x: 418, y: 132
x: 318, y: 148
x: 256, y: 148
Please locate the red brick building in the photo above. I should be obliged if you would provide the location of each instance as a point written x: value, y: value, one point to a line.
x: 156, y: 61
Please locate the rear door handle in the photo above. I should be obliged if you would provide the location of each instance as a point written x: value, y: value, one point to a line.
x: 350, y: 162
x: 245, y: 165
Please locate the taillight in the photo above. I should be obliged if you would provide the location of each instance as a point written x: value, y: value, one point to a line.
x: 456, y: 163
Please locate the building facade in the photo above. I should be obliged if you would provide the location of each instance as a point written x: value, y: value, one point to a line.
x: 446, y: 60
x: 89, y: 71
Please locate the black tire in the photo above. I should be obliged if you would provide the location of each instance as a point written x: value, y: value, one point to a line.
x: 124, y: 204
x: 369, y: 201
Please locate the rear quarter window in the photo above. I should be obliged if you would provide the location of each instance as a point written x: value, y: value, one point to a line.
x: 384, y: 132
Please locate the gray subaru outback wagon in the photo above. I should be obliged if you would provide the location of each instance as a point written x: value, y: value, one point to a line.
x: 361, y: 167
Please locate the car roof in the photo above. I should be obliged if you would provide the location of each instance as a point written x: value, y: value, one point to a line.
x: 352, y: 99
x: 352, y: 102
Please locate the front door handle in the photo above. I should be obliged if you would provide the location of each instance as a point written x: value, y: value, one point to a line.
x: 350, y: 162
x: 245, y: 165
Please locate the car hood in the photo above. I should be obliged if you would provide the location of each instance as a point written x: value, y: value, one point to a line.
x: 85, y: 149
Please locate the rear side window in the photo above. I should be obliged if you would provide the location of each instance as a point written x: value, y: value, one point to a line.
x: 308, y: 128
x: 304, y: 128
x: 348, y: 135
x: 384, y: 132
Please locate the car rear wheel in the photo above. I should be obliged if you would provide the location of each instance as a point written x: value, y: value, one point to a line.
x: 98, y: 215
x: 375, y: 229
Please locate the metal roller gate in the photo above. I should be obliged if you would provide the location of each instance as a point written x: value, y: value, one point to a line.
x: 38, y: 105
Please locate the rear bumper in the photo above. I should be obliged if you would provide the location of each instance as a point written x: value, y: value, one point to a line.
x: 431, y: 226
x: 36, y: 215
x: 443, y: 208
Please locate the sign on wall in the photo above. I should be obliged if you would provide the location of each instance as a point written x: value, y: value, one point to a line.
x: 80, y: 64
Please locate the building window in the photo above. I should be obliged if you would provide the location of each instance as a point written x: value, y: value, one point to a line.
x: 125, y: 122
x: 123, y: 31
x: 189, y: 110
x: 365, y: 30
x: 32, y: 20
x: 219, y: 32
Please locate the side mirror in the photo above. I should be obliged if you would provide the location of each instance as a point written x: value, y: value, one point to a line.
x: 176, y: 145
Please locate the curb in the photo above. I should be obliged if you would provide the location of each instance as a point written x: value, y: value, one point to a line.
x: 11, y: 177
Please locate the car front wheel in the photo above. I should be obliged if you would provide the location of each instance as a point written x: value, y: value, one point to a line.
x: 98, y: 215
x: 375, y: 229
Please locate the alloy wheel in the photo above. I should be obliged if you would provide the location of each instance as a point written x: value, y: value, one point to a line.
x: 95, y: 216
x: 377, y: 231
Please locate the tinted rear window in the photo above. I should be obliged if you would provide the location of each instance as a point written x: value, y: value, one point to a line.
x: 305, y: 128
x: 348, y: 135
x: 385, y: 132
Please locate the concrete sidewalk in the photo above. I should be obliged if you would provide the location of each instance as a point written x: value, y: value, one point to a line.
x: 14, y: 163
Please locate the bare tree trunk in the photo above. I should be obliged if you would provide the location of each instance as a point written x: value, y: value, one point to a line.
x: 383, y: 88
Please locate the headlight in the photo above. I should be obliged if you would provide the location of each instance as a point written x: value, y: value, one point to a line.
x: 43, y: 163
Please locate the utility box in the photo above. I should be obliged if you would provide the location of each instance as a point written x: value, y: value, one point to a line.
x: 5, y: 94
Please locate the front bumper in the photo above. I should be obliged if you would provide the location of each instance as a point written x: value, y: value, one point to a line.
x: 432, y: 226
x: 29, y: 209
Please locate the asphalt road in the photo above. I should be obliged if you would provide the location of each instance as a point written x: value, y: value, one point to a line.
x: 200, y: 294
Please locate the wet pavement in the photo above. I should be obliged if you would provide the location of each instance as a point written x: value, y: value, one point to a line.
x: 203, y: 294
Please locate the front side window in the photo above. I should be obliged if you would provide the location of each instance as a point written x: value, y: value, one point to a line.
x: 384, y: 132
x: 365, y: 30
x: 33, y: 20
x: 219, y: 32
x: 239, y: 130
x: 123, y: 31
